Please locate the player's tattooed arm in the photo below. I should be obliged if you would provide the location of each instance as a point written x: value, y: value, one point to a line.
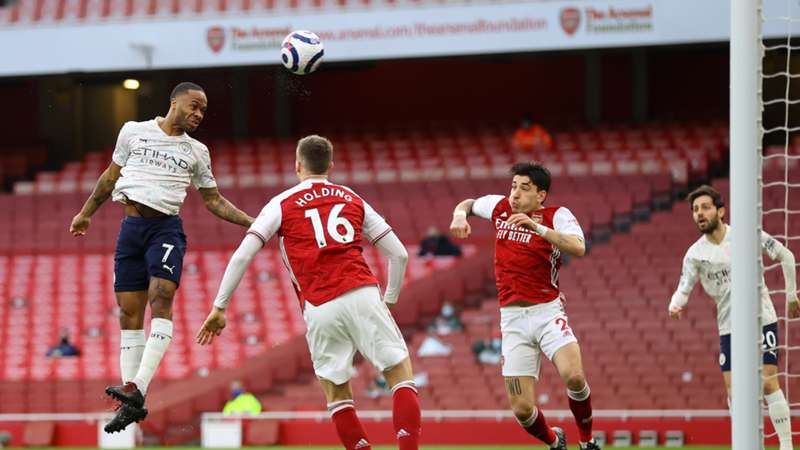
x: 465, y: 206
x: 102, y: 191
x: 223, y: 208
x: 568, y: 243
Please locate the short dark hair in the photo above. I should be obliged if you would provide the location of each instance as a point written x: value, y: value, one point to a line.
x: 705, y: 189
x: 538, y: 174
x: 184, y: 87
x: 316, y: 153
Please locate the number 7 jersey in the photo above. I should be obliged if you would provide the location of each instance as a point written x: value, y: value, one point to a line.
x: 320, y: 226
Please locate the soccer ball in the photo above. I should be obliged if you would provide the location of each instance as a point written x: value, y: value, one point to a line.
x: 301, y: 52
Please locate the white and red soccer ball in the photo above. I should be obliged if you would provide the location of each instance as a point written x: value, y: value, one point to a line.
x: 301, y: 52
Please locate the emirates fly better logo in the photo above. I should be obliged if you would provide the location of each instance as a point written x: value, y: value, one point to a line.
x: 216, y: 38
x: 570, y: 20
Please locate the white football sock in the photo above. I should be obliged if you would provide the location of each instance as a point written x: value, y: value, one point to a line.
x: 131, y: 348
x: 781, y: 417
x: 581, y: 395
x: 157, y: 344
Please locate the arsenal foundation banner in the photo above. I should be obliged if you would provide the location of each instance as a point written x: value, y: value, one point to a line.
x: 29, y: 47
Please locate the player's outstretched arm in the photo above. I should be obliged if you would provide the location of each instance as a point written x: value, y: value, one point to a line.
x: 459, y: 227
x: 223, y: 208
x: 102, y: 190
x: 237, y: 267
x: 394, y: 250
x: 567, y: 243
x: 778, y: 252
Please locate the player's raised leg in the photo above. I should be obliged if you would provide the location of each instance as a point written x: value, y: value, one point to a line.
x: 130, y: 286
x: 567, y: 360
x: 166, y: 247
x: 520, y: 390
x: 160, y: 296
x: 132, y: 306
x: 406, y: 414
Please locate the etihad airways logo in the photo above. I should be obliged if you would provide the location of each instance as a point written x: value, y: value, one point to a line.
x: 160, y: 159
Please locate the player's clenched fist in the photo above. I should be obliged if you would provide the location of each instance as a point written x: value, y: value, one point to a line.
x: 459, y: 227
x: 79, y: 225
x: 213, y: 326
x: 675, y: 312
x: 521, y: 220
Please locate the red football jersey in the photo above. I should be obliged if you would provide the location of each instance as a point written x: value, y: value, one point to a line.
x: 525, y: 265
x: 320, y: 226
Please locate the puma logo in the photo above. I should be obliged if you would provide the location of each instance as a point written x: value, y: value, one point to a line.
x: 171, y: 269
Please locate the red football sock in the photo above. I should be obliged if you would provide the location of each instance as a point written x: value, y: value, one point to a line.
x: 537, y: 427
x: 582, y: 410
x: 406, y: 415
x: 349, y: 428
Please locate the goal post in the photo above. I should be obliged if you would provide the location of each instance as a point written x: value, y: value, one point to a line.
x: 746, y: 271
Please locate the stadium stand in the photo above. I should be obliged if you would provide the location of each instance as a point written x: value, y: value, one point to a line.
x: 55, y: 12
x: 620, y: 180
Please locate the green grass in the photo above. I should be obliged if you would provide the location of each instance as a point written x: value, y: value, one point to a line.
x: 507, y: 447
x: 500, y: 447
x: 435, y: 447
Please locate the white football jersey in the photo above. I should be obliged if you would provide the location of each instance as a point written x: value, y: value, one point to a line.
x: 711, y: 264
x: 157, y: 168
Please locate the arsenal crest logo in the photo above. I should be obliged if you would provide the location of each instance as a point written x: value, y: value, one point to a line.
x: 216, y: 38
x: 570, y: 19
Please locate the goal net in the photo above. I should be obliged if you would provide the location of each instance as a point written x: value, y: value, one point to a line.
x: 765, y: 194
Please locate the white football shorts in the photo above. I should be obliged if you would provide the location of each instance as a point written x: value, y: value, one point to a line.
x: 529, y: 331
x: 357, y: 320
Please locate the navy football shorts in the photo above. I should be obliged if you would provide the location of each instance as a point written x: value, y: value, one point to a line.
x: 148, y: 248
x: 769, y: 347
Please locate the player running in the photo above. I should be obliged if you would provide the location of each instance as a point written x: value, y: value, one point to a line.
x: 530, y: 240
x: 709, y: 260
x: 152, y: 165
x: 320, y: 226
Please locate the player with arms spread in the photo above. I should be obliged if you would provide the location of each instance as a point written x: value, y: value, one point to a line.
x: 709, y: 261
x: 530, y: 240
x: 320, y: 226
x: 153, y: 164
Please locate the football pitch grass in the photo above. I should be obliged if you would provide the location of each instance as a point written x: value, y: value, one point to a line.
x: 509, y: 447
x: 506, y: 447
x: 433, y: 447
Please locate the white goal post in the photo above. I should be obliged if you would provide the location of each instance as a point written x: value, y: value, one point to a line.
x: 746, y: 271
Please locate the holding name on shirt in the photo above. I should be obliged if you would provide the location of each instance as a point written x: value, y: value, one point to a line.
x: 322, y: 192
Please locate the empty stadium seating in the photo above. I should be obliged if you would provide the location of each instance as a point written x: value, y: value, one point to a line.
x: 49, y: 293
x: 414, y: 178
x: 439, y: 154
x: 71, y: 12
